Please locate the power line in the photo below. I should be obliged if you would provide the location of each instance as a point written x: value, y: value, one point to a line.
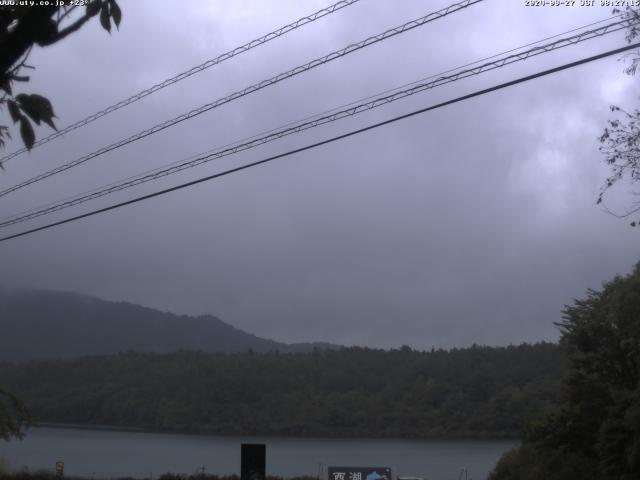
x: 253, y: 88
x: 256, y: 140
x: 317, y: 121
x: 327, y: 141
x: 192, y: 71
x: 334, y: 109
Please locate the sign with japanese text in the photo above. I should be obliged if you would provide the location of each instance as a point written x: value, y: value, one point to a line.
x: 359, y: 473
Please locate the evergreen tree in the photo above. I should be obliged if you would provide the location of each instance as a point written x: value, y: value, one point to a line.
x: 595, y: 431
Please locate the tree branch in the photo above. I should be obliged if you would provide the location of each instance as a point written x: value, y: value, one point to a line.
x: 22, y: 38
x: 67, y: 12
x: 72, y: 28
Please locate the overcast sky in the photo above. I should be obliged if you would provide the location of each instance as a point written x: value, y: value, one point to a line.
x: 473, y: 223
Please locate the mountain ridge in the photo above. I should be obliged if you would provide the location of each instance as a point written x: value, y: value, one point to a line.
x: 48, y: 324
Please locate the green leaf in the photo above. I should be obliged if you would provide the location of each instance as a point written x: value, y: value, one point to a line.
x: 116, y: 13
x: 26, y: 132
x: 14, y: 111
x: 49, y: 122
x: 104, y: 18
x: 44, y: 109
x: 92, y: 8
x: 42, y: 104
x: 38, y: 108
x: 26, y: 105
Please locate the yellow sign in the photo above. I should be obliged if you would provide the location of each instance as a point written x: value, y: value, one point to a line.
x: 59, y: 469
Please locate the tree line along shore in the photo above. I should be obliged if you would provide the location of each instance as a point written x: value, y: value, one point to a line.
x: 354, y: 392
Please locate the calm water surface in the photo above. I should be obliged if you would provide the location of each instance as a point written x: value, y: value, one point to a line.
x: 103, y: 453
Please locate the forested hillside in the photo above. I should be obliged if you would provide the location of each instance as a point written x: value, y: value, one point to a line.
x: 479, y: 391
x: 46, y: 324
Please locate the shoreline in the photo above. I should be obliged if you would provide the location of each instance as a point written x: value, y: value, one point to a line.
x: 467, y: 436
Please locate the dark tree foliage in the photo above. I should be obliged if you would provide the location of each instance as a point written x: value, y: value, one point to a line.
x: 14, y: 416
x: 478, y: 391
x: 594, y: 433
x: 21, y: 28
x: 620, y: 141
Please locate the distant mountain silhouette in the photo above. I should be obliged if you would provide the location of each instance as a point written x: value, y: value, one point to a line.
x: 36, y: 324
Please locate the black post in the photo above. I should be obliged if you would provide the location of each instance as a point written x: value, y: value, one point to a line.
x: 253, y: 461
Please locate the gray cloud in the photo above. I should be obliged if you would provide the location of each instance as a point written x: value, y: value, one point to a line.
x: 474, y: 223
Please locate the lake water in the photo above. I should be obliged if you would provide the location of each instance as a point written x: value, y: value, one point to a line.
x: 105, y: 453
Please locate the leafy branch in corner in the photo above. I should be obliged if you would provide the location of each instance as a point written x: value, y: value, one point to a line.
x: 22, y: 28
x: 620, y: 143
x: 620, y: 140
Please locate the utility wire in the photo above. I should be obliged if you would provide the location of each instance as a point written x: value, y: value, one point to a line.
x: 256, y: 141
x: 329, y: 140
x: 317, y: 121
x: 253, y: 88
x: 192, y: 71
x: 156, y: 169
x: 369, y: 97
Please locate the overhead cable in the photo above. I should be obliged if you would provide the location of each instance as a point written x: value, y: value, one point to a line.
x: 315, y: 122
x: 186, y: 74
x: 326, y: 141
x: 246, y: 91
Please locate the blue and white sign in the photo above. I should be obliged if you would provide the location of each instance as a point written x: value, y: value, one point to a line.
x: 359, y: 473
